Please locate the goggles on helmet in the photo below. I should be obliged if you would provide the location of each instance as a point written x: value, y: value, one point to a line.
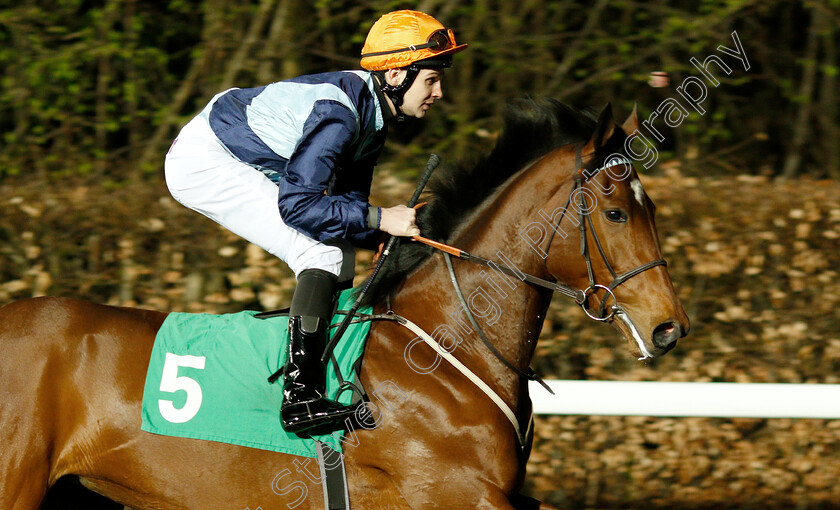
x: 440, y: 40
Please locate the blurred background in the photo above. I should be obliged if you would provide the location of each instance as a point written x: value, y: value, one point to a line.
x: 93, y: 92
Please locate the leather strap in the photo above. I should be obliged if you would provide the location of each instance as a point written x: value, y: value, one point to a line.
x: 334, y: 478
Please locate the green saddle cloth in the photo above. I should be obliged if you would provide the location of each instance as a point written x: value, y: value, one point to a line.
x: 207, y: 379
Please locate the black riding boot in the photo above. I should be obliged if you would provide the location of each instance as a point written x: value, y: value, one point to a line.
x: 304, y: 405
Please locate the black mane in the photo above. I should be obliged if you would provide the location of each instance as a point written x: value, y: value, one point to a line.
x: 532, y: 128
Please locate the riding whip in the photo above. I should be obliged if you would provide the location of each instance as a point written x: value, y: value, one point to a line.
x: 434, y: 161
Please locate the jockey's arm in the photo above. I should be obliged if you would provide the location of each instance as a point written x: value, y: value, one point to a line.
x: 303, y: 202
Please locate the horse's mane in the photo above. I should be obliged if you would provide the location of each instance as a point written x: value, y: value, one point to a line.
x: 532, y: 128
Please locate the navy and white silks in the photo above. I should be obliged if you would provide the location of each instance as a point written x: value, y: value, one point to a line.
x: 287, y: 166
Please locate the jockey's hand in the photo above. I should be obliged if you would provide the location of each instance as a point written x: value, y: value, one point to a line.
x: 398, y: 221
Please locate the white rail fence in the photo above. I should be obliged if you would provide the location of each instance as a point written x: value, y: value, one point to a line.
x: 677, y: 399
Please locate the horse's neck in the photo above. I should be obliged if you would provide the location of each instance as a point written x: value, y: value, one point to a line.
x: 510, y: 312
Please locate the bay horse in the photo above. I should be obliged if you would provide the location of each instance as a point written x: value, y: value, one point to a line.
x: 72, y: 372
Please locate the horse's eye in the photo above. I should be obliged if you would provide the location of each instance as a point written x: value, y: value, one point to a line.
x: 616, y: 215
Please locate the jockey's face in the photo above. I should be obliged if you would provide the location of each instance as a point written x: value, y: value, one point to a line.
x: 425, y: 90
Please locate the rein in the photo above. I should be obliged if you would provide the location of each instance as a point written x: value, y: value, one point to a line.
x: 560, y: 288
x: 580, y: 296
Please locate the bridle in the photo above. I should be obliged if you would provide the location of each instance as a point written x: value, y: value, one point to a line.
x: 580, y: 296
x: 584, y: 219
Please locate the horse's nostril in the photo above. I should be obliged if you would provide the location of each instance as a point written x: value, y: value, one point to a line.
x: 666, y: 334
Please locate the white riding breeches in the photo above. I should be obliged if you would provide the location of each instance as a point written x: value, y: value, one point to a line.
x: 202, y: 175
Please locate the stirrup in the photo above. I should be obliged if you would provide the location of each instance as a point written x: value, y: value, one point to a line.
x: 307, y: 415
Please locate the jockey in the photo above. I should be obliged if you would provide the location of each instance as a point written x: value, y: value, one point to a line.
x: 288, y: 166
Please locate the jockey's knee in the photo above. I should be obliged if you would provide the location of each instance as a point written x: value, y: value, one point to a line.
x: 337, y: 257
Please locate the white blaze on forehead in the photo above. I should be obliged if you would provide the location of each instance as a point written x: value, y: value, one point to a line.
x: 638, y: 190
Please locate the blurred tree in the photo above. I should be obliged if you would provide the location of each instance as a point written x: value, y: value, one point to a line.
x: 100, y: 88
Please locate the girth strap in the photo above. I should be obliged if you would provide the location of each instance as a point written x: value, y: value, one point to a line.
x: 333, y: 477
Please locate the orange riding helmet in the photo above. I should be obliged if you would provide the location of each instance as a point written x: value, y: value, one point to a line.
x: 401, y: 38
x: 409, y: 40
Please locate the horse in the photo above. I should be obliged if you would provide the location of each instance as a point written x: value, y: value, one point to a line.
x: 73, y: 371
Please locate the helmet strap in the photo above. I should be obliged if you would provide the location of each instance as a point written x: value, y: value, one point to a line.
x: 397, y: 92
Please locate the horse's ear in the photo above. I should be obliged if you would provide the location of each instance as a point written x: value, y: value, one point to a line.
x: 603, y: 131
x: 632, y: 123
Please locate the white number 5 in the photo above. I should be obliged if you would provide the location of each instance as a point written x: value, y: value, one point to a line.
x: 170, y: 383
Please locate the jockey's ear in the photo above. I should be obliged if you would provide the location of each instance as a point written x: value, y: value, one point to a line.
x: 394, y: 76
x: 632, y: 123
x: 603, y: 131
